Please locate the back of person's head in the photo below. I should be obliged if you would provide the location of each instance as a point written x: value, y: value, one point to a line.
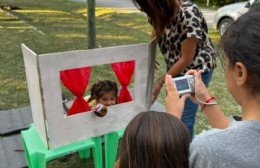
x: 154, y: 140
x: 241, y: 43
x: 102, y: 87
x: 160, y: 12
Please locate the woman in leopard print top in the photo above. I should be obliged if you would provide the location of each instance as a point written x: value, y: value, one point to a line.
x: 182, y: 35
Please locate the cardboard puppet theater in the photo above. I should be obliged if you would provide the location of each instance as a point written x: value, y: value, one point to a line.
x: 44, y: 73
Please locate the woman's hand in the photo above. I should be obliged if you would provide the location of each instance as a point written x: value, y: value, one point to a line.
x: 173, y: 103
x: 156, y: 65
x: 156, y: 90
x: 201, y: 91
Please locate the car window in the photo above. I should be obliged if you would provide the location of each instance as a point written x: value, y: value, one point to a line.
x: 251, y: 2
x: 257, y: 2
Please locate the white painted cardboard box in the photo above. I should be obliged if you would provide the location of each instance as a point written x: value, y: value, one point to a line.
x: 43, y: 78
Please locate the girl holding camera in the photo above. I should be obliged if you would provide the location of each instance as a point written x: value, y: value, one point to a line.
x: 233, y: 144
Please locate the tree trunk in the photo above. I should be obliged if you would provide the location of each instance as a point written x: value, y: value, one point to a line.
x: 91, y: 24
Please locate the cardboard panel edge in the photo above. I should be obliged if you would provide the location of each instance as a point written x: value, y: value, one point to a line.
x: 35, y: 91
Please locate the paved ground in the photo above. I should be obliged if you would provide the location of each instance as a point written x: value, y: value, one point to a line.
x: 128, y: 4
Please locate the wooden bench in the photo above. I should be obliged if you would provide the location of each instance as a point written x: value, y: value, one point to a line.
x: 11, y: 123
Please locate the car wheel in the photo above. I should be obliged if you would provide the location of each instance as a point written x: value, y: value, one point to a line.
x: 224, y: 25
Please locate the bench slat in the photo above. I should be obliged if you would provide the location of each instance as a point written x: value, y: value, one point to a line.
x: 15, y: 120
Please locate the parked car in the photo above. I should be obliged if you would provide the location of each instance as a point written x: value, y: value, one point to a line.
x: 226, y: 15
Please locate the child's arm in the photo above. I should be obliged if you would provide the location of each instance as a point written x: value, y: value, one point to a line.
x: 214, y: 115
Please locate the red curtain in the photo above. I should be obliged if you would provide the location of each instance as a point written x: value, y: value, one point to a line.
x: 76, y: 80
x: 124, y: 72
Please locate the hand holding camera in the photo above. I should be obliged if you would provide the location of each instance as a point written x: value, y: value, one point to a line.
x: 192, y: 84
x: 173, y: 102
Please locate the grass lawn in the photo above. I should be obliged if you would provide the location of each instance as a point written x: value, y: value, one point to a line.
x: 48, y: 26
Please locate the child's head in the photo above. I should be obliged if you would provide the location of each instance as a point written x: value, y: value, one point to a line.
x: 104, y: 92
x: 241, y: 45
x: 154, y: 139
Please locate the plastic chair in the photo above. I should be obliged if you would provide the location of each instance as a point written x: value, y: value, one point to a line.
x: 111, y: 147
x: 37, y: 155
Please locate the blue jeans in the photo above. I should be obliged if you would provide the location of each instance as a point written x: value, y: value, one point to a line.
x: 190, y: 108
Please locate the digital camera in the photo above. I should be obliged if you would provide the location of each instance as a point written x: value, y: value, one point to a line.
x: 185, y: 84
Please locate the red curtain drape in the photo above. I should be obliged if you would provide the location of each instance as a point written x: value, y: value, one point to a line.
x: 124, y: 72
x: 76, y: 81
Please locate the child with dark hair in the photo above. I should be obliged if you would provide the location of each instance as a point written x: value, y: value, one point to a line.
x: 232, y: 144
x: 102, y: 95
x: 154, y: 140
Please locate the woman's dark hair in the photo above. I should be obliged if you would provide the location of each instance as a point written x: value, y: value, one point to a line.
x: 100, y: 88
x: 241, y: 43
x: 160, y: 12
x: 155, y: 140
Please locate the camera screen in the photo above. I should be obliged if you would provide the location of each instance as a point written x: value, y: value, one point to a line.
x: 182, y: 84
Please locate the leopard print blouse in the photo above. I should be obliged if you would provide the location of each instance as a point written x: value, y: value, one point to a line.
x: 188, y: 23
